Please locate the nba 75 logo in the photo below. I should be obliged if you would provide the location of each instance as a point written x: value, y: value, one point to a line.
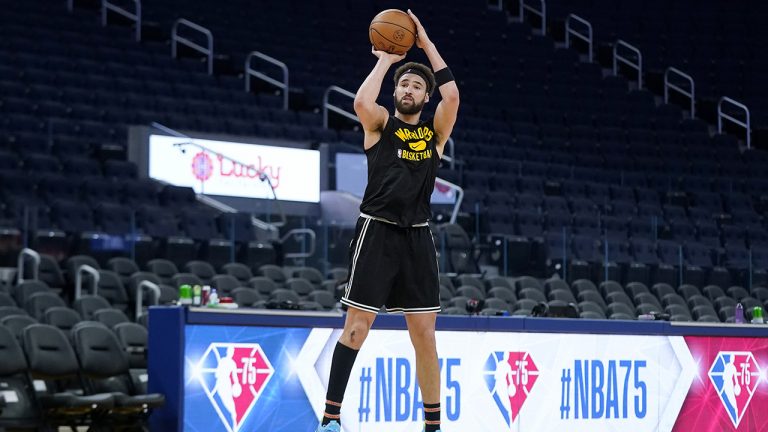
x: 735, y: 375
x: 510, y: 376
x: 234, y: 375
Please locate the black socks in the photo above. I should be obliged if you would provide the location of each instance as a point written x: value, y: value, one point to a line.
x: 341, y: 367
x: 431, y: 417
x: 332, y: 412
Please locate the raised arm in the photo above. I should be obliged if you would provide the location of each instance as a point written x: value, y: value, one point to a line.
x: 373, y: 116
x: 448, y: 108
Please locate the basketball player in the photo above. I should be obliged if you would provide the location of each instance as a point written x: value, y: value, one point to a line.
x: 393, y: 257
x: 227, y: 385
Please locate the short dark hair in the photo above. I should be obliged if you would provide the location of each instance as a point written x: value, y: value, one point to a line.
x: 421, y: 70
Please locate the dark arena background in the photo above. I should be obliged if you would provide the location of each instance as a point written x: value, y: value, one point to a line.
x: 600, y: 216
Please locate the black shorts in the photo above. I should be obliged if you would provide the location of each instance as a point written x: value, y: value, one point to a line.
x: 393, y: 267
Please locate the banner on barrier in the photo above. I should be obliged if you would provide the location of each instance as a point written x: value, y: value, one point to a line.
x: 257, y: 378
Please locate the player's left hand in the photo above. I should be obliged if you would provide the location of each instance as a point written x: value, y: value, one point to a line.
x: 422, y: 40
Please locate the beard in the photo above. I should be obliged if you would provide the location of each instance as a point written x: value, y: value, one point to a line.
x: 413, y: 108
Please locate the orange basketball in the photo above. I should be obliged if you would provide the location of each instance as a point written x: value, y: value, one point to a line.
x: 392, y: 31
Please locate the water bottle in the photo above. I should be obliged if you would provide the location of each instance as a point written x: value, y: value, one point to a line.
x: 185, y: 295
x: 206, y: 294
x: 213, y: 298
x: 757, y: 315
x: 738, y: 317
x: 197, y: 292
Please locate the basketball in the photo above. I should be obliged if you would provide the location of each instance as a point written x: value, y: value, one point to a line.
x: 392, y: 31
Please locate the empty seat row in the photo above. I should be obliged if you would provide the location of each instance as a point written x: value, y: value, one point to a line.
x: 90, y: 381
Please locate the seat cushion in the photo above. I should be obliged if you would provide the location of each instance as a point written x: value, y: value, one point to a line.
x: 70, y: 403
x: 140, y: 402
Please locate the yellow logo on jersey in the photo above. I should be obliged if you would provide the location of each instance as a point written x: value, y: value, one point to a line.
x: 418, y: 145
x: 414, y: 156
x: 422, y: 133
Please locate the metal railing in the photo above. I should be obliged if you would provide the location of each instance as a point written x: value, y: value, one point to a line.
x: 150, y: 286
x: 79, y: 279
x: 691, y: 94
x: 328, y: 106
x: 459, y: 197
x: 743, y: 123
x: 569, y: 31
x: 190, y: 141
x: 205, y: 50
x: 27, y: 252
x: 249, y: 72
x: 218, y: 205
x: 542, y: 13
x: 617, y: 57
x: 451, y: 156
x: 106, y: 7
x: 296, y: 232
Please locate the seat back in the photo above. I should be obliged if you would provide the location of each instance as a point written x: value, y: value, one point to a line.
x: 180, y: 279
x: 103, y: 362
x: 111, y: 288
x: 13, y: 365
x: 110, y: 317
x: 49, y: 354
x: 163, y: 268
x: 273, y: 272
x: 11, y: 310
x: 124, y: 267
x: 62, y: 318
x: 134, y: 339
x: 39, y: 302
x: 459, y: 249
x: 74, y: 262
x: 246, y: 297
x: 263, y: 284
x: 311, y: 274
x: 300, y: 286
x: 136, y: 278
x: 201, y: 269
x: 26, y: 289
x: 50, y: 272
x: 6, y: 299
x: 87, y: 305
x: 240, y: 271
x: 225, y: 284
x: 17, y: 323
x: 99, y: 352
x: 324, y: 298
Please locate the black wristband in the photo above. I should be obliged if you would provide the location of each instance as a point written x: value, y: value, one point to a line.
x: 443, y: 76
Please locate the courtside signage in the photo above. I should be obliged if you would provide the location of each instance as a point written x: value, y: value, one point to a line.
x: 259, y: 378
x: 293, y: 173
x: 233, y: 376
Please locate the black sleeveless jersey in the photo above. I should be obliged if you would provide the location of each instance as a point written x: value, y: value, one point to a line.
x: 402, y: 168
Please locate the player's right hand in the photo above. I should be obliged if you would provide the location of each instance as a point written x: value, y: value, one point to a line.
x: 391, y: 58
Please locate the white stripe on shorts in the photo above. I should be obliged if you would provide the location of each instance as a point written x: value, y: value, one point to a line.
x: 360, y: 306
x: 406, y: 311
x: 358, y: 247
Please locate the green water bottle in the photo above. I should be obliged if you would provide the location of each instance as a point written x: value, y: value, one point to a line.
x: 185, y: 295
x: 757, y: 315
